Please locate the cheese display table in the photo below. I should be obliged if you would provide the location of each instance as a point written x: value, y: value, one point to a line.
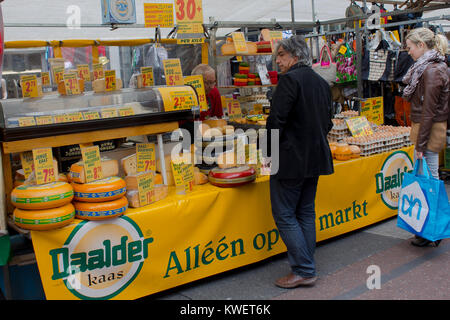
x: 183, y: 238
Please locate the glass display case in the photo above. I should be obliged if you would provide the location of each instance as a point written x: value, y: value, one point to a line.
x: 54, y: 114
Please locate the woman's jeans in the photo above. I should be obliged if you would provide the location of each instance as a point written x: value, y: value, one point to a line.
x: 432, y: 159
x: 293, y: 210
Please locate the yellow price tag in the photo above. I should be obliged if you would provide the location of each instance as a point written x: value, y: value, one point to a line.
x: 27, y: 122
x: 29, y: 86
x: 275, y: 37
x: 258, y: 108
x: 43, y: 165
x: 44, y: 120
x: 189, y: 15
x: 84, y: 72
x: 45, y: 78
x: 359, y: 126
x: 234, y: 111
x: 158, y: 14
x: 97, y: 71
x: 92, y: 163
x: 110, y: 80
x: 74, y: 117
x: 26, y: 158
x: 343, y: 49
x: 373, y: 110
x: 183, y: 174
x: 191, y: 41
x: 109, y: 113
x: 58, y: 74
x: 71, y: 83
x: 197, y: 82
x: 146, y: 157
x: 126, y: 111
x: 147, y: 76
x: 240, y: 44
x: 146, y: 188
x: 91, y: 115
x: 173, y: 72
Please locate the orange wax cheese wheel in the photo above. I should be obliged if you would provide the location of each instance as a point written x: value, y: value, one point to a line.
x: 45, y: 219
x: 100, y: 210
x: 44, y: 196
x: 100, y: 190
x: 109, y: 168
x: 132, y: 180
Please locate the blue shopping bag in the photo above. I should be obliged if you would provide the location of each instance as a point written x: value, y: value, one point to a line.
x: 423, y: 207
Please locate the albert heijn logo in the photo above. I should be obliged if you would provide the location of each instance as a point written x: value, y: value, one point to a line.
x: 413, y: 207
x: 101, y: 258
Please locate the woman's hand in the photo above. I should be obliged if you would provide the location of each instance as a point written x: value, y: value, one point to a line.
x: 419, y: 155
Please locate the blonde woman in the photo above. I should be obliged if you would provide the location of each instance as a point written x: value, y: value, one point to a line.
x: 428, y: 91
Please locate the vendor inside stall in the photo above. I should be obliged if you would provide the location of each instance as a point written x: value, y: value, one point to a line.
x: 211, y: 91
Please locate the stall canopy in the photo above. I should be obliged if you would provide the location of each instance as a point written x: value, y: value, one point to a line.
x: 88, y: 12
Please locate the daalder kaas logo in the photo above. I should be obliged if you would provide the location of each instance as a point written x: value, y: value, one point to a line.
x: 101, y: 258
x: 389, y: 179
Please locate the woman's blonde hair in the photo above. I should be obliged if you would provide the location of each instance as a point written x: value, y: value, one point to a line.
x: 431, y: 40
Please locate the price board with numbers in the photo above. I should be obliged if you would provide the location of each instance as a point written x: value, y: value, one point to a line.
x: 359, y: 126
x: 189, y: 15
x: 43, y: 165
x: 92, y: 163
x: 57, y: 74
x: 110, y: 80
x: 146, y: 189
x: 71, y: 83
x: 29, y: 86
x: 173, y: 72
x: 147, y: 77
x: 197, y: 82
x: 240, y: 45
x: 373, y: 110
x: 97, y: 71
x: 158, y: 14
x: 146, y: 157
x: 84, y: 72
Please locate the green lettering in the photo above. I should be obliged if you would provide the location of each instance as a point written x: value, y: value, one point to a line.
x: 79, y: 259
x: 379, y: 182
x: 326, y: 217
x: 173, y: 257
x: 134, y: 248
x: 339, y: 217
x: 233, y: 247
x: 57, y: 274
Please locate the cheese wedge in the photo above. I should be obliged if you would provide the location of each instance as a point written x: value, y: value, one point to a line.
x: 132, y: 180
x: 200, y: 178
x: 161, y: 192
x: 109, y: 168
x: 129, y: 164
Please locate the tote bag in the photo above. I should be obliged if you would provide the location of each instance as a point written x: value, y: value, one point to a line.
x: 326, y: 69
x: 423, y: 207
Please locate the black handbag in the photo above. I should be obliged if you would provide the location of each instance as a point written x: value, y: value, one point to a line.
x: 402, y: 64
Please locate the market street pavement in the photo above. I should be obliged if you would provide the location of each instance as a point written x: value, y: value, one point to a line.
x: 347, y: 268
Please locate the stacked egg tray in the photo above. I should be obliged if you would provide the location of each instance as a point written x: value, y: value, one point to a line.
x: 384, y: 139
x: 339, y: 131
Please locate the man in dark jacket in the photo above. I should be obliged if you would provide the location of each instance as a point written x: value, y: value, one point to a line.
x: 301, y: 111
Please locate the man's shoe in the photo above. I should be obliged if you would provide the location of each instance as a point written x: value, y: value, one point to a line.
x: 292, y: 281
x: 420, y: 242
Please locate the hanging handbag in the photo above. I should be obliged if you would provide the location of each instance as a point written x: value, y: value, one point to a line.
x: 423, y: 207
x: 326, y: 69
x: 345, y: 64
x: 402, y: 64
x: 380, y: 63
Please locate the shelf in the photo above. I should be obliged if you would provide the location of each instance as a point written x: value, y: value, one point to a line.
x: 248, y: 54
x: 239, y: 87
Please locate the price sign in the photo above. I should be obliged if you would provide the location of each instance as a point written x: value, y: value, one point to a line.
x: 45, y: 78
x: 97, y: 71
x: 127, y: 111
x: 84, y: 72
x: 43, y: 165
x: 197, y: 82
x: 191, y: 41
x: 27, y: 121
x: 29, y: 86
x: 183, y: 174
x: 158, y: 14
x: 74, y: 116
x: 234, y: 111
x: 92, y: 163
x: 109, y: 113
x: 359, y: 126
x: 275, y: 37
x: 240, y: 45
x: 146, y: 188
x: 372, y: 109
x: 71, y: 83
x: 173, y: 72
x: 26, y: 158
x: 189, y: 16
x: 91, y: 115
x: 177, y: 98
x: 110, y: 80
x: 146, y: 157
x: 258, y: 108
x: 58, y: 74
x: 44, y: 120
x: 147, y: 76
x: 60, y: 118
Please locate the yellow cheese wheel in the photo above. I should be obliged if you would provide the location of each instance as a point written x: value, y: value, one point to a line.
x: 44, y: 196
x: 100, y: 190
x: 100, y: 210
x: 45, y: 219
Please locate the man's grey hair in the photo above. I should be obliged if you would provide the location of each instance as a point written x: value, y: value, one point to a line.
x: 296, y: 46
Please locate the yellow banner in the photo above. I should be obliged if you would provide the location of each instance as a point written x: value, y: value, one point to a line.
x: 217, y: 229
x: 197, y: 82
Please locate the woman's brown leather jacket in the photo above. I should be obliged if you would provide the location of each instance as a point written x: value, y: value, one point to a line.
x: 430, y: 109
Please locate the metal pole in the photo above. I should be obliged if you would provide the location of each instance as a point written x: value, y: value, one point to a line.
x: 293, y: 18
x: 359, y: 61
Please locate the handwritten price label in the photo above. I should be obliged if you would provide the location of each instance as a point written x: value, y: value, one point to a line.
x: 43, y: 165
x: 147, y: 76
x: 71, y: 83
x: 359, y: 127
x: 109, y: 113
x: 173, y: 72
x: 97, y: 71
x: 110, y: 80
x: 26, y: 158
x: 91, y: 115
x: 158, y: 14
x: 189, y: 15
x: 84, y: 72
x: 240, y: 45
x: 183, y: 174
x: 29, y: 86
x: 92, y: 163
x: 45, y: 78
x: 146, y: 157
x: 27, y: 121
x: 197, y: 82
x: 146, y: 188
x: 58, y: 74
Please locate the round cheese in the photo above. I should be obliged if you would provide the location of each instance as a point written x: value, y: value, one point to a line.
x: 231, y: 177
x: 45, y: 219
x: 44, y: 196
x: 100, y: 190
x: 100, y: 210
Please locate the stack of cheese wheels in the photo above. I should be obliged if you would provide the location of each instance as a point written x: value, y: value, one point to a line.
x: 100, y: 199
x: 43, y: 207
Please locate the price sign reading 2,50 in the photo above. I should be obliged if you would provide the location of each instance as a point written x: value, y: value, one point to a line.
x: 186, y: 8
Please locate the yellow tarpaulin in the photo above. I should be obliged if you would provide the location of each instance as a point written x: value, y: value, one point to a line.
x: 211, y: 230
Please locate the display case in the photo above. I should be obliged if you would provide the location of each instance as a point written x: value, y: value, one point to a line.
x: 54, y: 114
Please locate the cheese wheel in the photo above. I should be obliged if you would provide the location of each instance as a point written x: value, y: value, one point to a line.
x: 231, y: 177
x: 109, y: 168
x: 100, y: 210
x: 44, y: 196
x: 100, y: 190
x: 45, y: 219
